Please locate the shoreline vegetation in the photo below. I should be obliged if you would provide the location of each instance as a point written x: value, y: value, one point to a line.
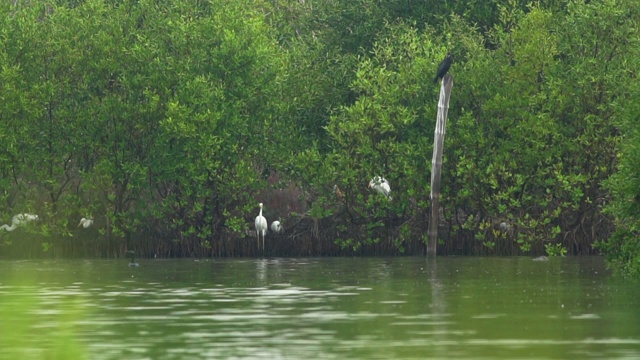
x: 166, y: 123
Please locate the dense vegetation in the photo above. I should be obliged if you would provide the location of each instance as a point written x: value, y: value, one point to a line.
x: 167, y: 122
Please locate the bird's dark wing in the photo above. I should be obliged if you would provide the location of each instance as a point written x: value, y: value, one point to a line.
x: 443, y: 67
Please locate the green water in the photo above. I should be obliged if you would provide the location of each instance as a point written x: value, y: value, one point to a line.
x: 318, y: 308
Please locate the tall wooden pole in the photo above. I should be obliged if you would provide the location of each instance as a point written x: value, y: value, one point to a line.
x: 436, y: 162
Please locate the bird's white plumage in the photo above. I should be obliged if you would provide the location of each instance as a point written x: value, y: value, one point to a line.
x: 19, y: 220
x: 85, y: 222
x: 276, y: 227
x: 261, y: 227
x: 381, y: 185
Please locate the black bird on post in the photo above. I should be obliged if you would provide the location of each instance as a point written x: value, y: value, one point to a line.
x: 443, y: 67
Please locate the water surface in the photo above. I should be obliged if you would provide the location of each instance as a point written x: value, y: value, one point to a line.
x: 318, y: 308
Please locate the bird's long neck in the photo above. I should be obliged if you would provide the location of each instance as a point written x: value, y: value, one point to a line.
x: 9, y: 228
x: 260, y: 211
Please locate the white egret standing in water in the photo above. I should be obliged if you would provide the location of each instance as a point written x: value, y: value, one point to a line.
x: 381, y: 185
x: 85, y: 222
x: 276, y: 227
x: 261, y: 227
x: 19, y: 220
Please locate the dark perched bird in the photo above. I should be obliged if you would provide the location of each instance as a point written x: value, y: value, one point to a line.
x: 443, y: 67
x: 133, y: 258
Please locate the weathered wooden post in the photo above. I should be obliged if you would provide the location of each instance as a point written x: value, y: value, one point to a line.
x: 436, y: 162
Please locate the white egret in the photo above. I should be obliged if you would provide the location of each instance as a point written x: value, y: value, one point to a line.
x: 276, y: 227
x: 261, y: 227
x: 85, y: 222
x: 381, y: 185
x: 19, y: 220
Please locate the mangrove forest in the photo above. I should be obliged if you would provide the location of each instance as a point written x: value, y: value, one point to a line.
x: 159, y: 126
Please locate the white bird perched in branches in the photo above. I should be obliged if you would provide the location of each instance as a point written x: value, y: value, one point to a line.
x: 19, y: 220
x: 85, y: 222
x: 381, y: 185
x: 276, y: 227
x: 261, y: 227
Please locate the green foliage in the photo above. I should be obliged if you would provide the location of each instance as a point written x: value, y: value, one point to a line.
x: 524, y: 149
x: 383, y: 133
x: 555, y: 249
x: 623, y: 248
x: 167, y: 121
x: 161, y: 104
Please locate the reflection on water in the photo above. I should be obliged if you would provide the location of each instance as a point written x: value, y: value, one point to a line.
x: 380, y: 308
